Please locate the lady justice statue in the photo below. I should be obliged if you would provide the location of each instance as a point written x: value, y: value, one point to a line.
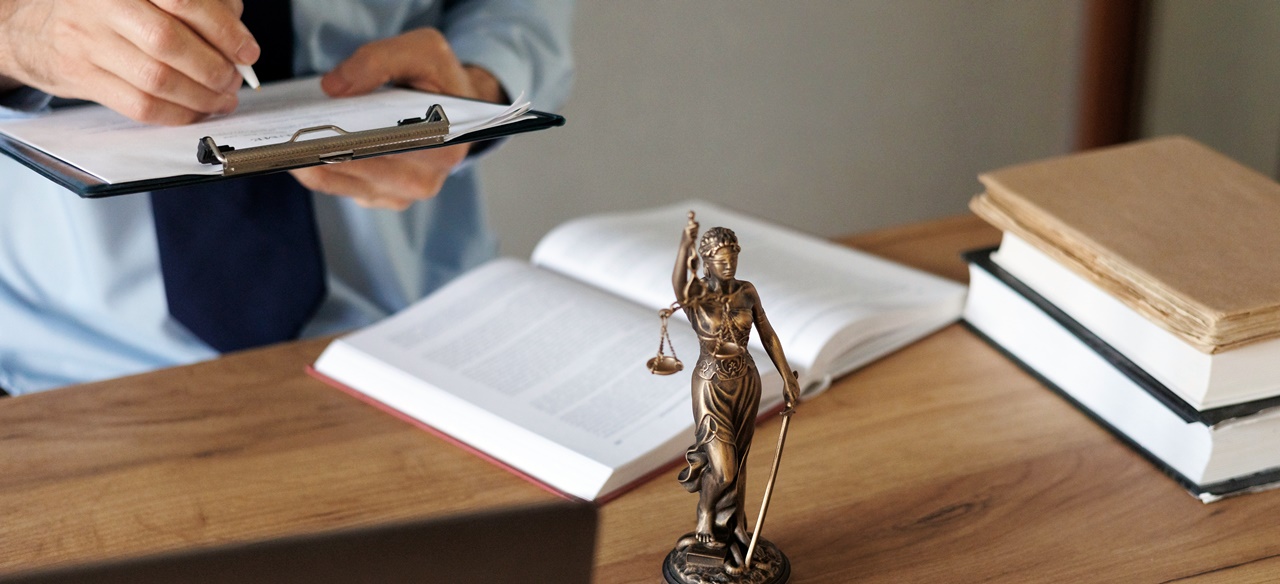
x: 726, y: 397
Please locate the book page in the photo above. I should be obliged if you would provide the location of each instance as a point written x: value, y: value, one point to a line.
x: 117, y: 149
x: 822, y: 298
x: 545, y: 353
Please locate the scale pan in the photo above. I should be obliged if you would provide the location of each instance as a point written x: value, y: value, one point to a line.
x: 664, y: 365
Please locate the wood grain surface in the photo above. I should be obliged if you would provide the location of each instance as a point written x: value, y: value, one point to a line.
x: 940, y: 463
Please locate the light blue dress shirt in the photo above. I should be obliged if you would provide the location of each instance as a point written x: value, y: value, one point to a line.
x: 81, y: 293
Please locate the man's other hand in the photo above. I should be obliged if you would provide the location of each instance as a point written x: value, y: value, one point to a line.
x: 421, y: 59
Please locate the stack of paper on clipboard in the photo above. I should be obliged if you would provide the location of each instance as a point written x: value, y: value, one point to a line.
x: 96, y: 152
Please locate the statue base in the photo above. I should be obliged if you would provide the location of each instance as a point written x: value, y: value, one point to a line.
x: 698, y: 564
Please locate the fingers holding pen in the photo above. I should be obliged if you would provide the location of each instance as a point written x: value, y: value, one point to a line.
x: 201, y: 46
x: 150, y: 61
x: 217, y: 23
x: 156, y: 80
x: 125, y: 98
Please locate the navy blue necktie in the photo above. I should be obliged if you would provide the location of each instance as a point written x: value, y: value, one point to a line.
x: 241, y: 258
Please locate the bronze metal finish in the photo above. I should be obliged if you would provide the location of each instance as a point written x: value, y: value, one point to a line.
x: 726, y: 387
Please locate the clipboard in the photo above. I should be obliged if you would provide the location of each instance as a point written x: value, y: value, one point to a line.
x: 398, y: 136
x: 341, y: 146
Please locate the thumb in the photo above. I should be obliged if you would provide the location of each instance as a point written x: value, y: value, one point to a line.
x: 421, y: 59
x: 359, y: 74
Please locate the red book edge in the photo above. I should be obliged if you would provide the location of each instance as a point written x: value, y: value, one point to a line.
x: 605, y: 498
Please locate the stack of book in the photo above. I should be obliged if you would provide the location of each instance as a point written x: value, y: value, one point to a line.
x: 1142, y: 283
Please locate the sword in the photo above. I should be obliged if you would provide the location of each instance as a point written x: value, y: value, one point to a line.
x: 768, y: 490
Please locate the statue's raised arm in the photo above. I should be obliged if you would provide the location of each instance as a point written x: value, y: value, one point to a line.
x: 684, y: 279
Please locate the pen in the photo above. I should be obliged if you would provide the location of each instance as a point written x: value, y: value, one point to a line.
x: 249, y: 76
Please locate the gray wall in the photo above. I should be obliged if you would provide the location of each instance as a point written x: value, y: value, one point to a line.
x: 1214, y: 75
x: 832, y: 117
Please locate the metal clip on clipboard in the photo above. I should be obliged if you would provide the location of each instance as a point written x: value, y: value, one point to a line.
x: 408, y: 134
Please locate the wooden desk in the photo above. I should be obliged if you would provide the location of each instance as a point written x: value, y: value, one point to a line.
x: 941, y: 463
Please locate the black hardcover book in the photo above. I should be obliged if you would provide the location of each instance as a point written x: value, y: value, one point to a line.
x: 1120, y: 396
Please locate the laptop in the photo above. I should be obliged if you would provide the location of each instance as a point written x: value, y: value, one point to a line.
x: 552, y: 542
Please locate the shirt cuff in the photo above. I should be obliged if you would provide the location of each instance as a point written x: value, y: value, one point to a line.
x: 24, y: 102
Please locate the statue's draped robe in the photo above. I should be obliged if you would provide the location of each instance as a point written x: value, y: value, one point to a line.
x: 726, y: 398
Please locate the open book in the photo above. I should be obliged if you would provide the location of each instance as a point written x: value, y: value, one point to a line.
x: 541, y: 366
x: 97, y: 152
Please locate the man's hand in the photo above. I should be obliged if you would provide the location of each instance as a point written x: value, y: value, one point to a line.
x: 421, y: 59
x: 157, y: 61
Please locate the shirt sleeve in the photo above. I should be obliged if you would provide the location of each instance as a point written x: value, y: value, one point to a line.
x: 23, y: 102
x: 523, y: 43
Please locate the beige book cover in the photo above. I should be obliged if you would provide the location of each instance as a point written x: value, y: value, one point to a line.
x: 1181, y: 233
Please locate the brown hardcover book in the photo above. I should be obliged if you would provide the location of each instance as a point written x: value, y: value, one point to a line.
x: 1180, y: 233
